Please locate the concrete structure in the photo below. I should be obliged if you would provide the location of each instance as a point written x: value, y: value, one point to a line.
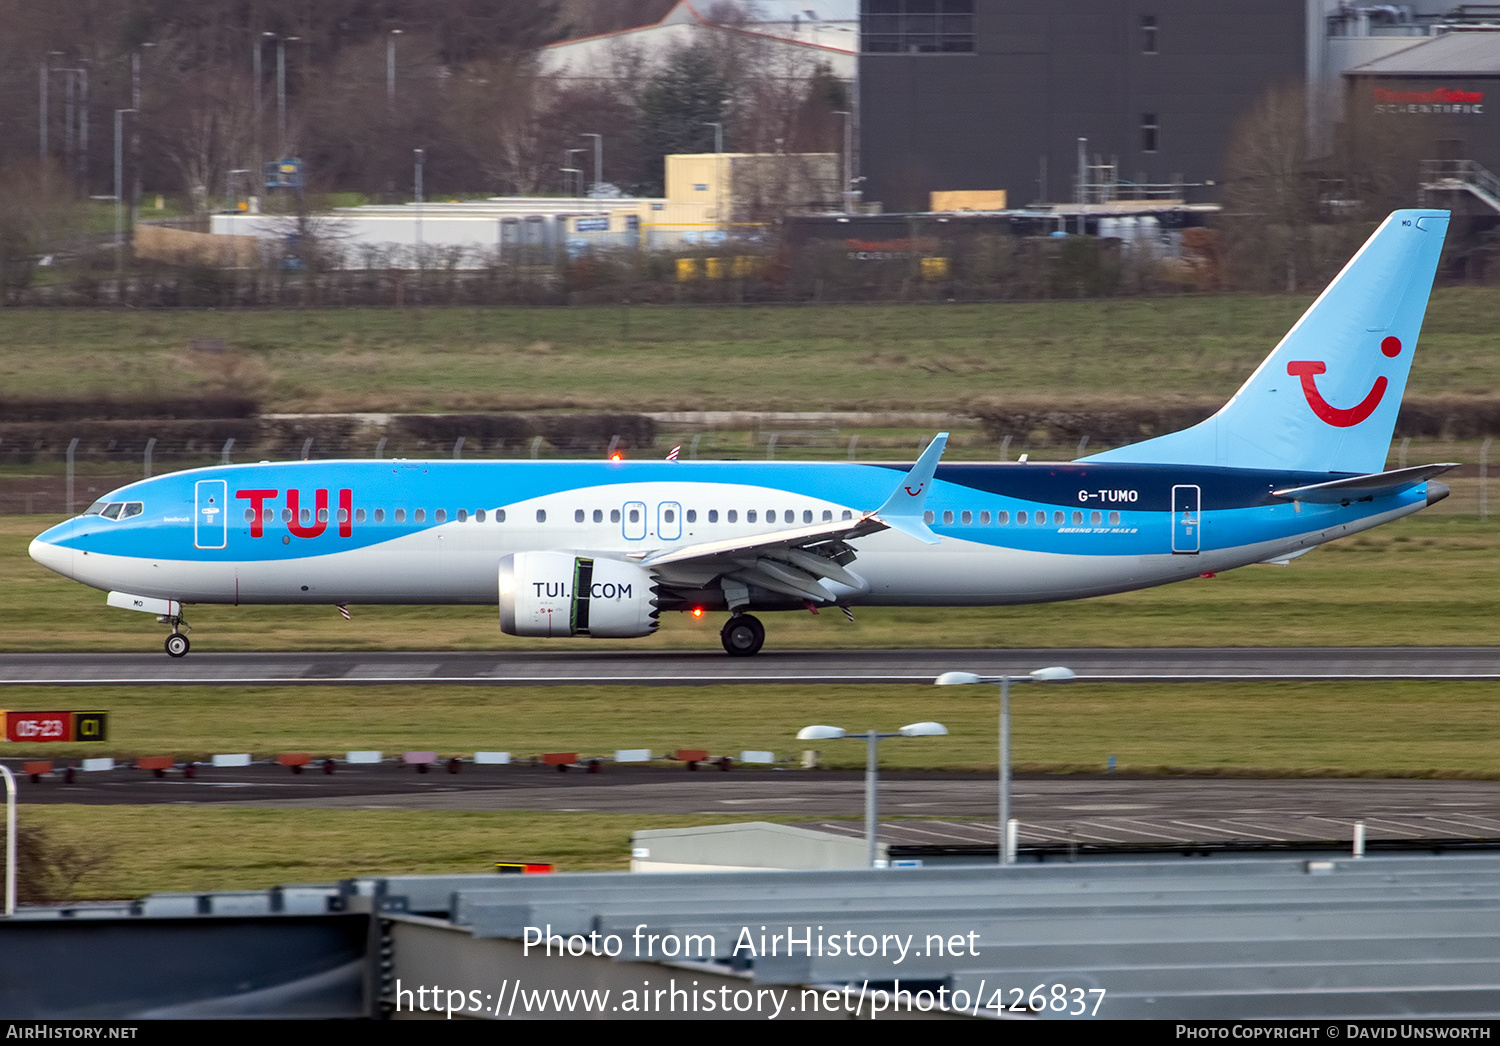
x: 1225, y: 939
x: 756, y: 845
x: 784, y: 39
x: 1001, y: 95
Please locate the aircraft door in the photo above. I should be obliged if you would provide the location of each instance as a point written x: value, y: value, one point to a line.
x: 633, y: 520
x: 211, y: 518
x: 669, y: 521
x: 1186, y: 520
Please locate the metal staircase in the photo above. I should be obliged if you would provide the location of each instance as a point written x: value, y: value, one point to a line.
x: 1461, y: 176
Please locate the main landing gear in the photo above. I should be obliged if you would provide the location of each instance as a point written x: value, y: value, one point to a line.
x: 177, y: 644
x: 743, y: 635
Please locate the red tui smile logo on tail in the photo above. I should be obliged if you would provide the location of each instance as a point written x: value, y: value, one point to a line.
x: 1342, y: 417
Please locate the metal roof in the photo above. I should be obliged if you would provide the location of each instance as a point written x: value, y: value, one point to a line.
x: 1475, y: 53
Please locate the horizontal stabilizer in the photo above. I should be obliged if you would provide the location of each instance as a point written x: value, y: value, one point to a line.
x: 1358, y: 488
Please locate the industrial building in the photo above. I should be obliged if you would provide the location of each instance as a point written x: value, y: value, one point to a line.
x: 710, y: 196
x: 1110, y: 99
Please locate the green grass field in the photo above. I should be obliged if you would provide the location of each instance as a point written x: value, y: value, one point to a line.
x: 696, y: 358
x: 1378, y: 729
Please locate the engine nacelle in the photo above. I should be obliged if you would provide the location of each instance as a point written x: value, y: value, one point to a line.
x: 561, y: 594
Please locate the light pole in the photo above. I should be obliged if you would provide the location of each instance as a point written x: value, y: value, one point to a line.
x: 871, y: 738
x: 575, y: 187
x: 418, y: 155
x: 120, y: 193
x: 10, y: 841
x: 281, y: 42
x: 718, y: 127
x: 598, y: 165
x: 1007, y: 846
x: 848, y: 194
x: 257, y: 161
x: 390, y: 70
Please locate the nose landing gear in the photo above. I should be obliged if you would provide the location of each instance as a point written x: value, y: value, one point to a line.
x: 743, y: 635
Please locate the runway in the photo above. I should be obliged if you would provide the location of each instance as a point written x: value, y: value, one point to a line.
x: 712, y: 668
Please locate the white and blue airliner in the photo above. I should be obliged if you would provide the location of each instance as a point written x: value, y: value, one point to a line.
x: 602, y: 548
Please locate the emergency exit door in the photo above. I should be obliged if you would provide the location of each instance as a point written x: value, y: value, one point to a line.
x: 1187, y: 525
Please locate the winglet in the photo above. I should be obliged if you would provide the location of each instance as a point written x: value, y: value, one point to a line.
x: 903, y: 509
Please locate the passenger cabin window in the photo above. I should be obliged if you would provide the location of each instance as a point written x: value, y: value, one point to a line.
x: 635, y: 515
x: 578, y: 515
x: 401, y: 515
x: 541, y: 515
x: 1022, y: 518
x: 614, y: 515
x: 463, y: 515
x: 419, y: 516
x: 750, y: 515
x: 848, y: 514
x: 1057, y: 518
x: 1114, y: 519
x: 929, y: 517
x: 359, y: 515
x: 1095, y: 519
x: 732, y: 516
x: 380, y: 515
x: 827, y: 515
x: 440, y: 516
x: 598, y: 515
x: 322, y: 515
x: 669, y: 516
x: 1003, y: 518
x: 479, y: 516
x: 968, y: 517
x: 713, y: 515
x: 692, y: 515
x: 499, y: 515
x: 343, y: 515
x: 984, y: 519
x: 947, y: 517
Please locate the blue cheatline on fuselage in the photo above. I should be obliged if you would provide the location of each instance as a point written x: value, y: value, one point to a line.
x: 1237, y: 506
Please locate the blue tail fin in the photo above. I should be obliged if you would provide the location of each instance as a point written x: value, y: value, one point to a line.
x: 1326, y: 398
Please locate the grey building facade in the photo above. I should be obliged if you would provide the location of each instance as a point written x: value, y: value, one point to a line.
x: 995, y: 94
x: 1153, y: 85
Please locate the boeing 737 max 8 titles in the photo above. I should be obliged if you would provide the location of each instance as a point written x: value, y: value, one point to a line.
x: 602, y: 548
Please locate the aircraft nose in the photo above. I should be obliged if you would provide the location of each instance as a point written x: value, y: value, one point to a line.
x: 54, y: 557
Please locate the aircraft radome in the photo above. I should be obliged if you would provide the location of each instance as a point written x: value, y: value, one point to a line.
x: 602, y: 548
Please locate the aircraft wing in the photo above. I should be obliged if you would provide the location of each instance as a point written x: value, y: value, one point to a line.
x: 797, y: 561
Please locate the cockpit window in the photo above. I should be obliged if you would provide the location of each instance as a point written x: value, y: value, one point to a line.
x: 132, y: 508
x: 96, y: 508
x: 112, y: 511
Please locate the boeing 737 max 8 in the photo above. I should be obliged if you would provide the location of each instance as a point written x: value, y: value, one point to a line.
x: 601, y: 548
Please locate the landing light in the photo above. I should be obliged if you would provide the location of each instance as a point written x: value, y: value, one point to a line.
x: 697, y: 611
x: 614, y: 457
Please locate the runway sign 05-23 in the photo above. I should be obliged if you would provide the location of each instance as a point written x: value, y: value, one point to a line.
x: 56, y: 726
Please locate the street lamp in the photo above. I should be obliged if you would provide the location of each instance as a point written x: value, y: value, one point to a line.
x: 390, y: 69
x: 119, y: 194
x: 1007, y: 842
x: 598, y: 166
x: 832, y: 733
x: 418, y: 156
